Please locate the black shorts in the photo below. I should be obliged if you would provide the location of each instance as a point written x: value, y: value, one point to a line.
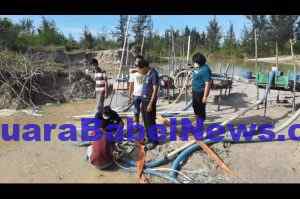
x: 198, y: 106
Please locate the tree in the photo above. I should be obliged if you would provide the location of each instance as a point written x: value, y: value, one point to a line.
x: 26, y: 25
x: 48, y: 33
x: 196, y: 40
x: 121, y: 29
x: 297, y: 35
x: 214, y: 35
x: 261, y: 24
x: 203, y: 39
x: 247, y: 42
x: 141, y: 25
x: 282, y: 29
x: 8, y: 34
x: 71, y: 43
x: 187, y: 31
x: 230, y: 43
x: 297, y: 30
x: 88, y: 40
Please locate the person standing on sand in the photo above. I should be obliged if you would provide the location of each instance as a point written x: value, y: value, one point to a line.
x: 201, y: 84
x: 149, y: 98
x: 101, y: 86
x: 135, y: 91
x: 149, y: 95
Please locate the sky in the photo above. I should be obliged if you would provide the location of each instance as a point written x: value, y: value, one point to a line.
x: 74, y: 24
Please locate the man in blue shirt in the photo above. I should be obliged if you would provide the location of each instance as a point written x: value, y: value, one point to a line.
x: 201, y: 84
x: 149, y: 97
x: 148, y: 108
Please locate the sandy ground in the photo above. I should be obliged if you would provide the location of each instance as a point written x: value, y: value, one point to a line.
x: 55, y: 161
x: 60, y: 162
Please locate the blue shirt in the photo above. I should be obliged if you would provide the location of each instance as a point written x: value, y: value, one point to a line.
x: 200, y: 75
x: 151, y: 79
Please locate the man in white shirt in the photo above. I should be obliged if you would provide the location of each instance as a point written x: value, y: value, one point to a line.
x: 135, y: 92
x: 101, y: 87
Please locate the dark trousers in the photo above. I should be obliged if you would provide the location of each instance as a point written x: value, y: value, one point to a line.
x: 149, y: 118
x: 198, y: 106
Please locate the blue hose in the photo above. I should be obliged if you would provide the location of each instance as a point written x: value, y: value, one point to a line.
x: 176, y: 165
x: 152, y: 163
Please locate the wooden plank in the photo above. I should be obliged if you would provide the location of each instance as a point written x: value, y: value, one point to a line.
x: 212, y: 155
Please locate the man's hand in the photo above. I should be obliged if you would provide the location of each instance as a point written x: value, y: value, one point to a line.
x: 204, y: 100
x: 130, y: 100
x: 149, y: 107
x: 105, y: 94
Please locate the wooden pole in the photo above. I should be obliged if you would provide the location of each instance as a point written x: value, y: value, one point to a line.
x: 277, y: 54
x: 292, y: 42
x: 173, y: 51
x: 122, y: 58
x: 188, y: 50
x: 126, y: 65
x: 124, y: 46
x: 256, y: 64
x: 143, y: 40
x: 183, y: 53
x: 170, y: 60
x: 127, y: 53
x: 277, y: 63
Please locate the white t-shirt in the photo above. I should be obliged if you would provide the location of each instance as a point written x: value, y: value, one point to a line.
x: 137, y: 80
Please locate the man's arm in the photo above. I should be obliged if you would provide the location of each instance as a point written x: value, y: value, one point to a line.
x: 155, y: 82
x: 131, y: 86
x: 106, y: 85
x: 130, y: 89
x: 206, y: 91
x: 154, y: 94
